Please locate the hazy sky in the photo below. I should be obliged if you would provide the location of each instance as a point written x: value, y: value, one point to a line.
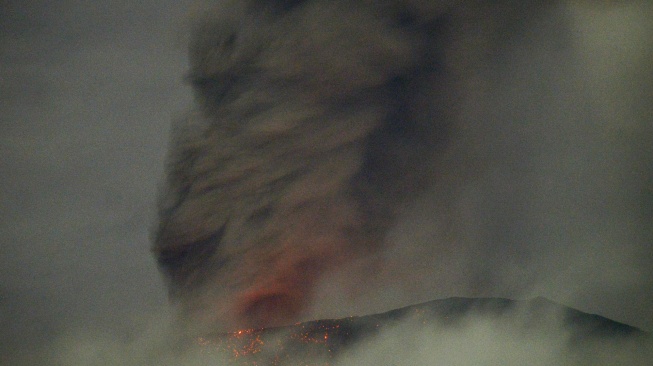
x: 87, y: 94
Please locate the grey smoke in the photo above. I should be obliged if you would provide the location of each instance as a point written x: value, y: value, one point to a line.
x: 319, y: 123
x: 87, y: 97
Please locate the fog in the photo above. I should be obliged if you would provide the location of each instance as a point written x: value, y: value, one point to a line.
x: 563, y: 209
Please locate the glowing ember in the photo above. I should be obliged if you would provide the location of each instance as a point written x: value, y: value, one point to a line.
x: 317, y: 341
x: 314, y: 343
x: 320, y: 342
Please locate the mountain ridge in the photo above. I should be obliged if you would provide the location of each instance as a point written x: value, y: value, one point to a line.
x: 320, y: 342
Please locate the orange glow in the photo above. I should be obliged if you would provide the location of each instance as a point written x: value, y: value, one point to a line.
x: 269, y: 347
x: 312, y: 343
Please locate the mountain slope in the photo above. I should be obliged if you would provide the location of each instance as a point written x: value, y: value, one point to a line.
x: 333, y: 341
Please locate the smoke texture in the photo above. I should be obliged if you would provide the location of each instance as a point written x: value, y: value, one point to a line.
x: 316, y: 123
x: 319, y: 123
x: 297, y: 190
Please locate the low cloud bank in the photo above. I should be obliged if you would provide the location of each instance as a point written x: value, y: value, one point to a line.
x: 533, y: 333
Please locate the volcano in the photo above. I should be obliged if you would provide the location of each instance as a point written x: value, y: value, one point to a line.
x: 324, y: 342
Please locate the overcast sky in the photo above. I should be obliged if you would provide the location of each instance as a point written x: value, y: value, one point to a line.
x: 88, y: 92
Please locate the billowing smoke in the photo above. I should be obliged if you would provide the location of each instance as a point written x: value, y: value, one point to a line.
x: 343, y: 158
x: 319, y: 123
x: 316, y: 121
x: 559, y: 200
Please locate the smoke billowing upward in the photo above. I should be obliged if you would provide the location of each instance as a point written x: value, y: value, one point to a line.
x: 340, y: 160
x: 319, y: 123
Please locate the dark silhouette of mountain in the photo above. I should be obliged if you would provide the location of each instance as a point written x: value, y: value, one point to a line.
x: 321, y: 341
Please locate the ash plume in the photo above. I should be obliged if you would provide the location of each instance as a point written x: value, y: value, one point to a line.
x: 318, y: 124
x: 439, y: 149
